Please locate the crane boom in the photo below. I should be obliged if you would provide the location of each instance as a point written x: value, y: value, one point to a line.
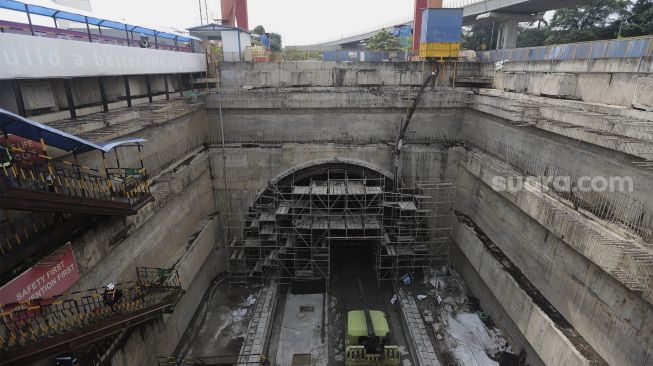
x: 404, y: 127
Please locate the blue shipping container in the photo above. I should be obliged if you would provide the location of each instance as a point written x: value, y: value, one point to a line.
x: 441, y: 26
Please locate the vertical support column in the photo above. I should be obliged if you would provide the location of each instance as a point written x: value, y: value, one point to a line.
x: 127, y: 36
x: 29, y: 19
x: 128, y: 94
x: 103, y: 95
x: 18, y: 93
x: 69, y: 98
x: 165, y: 81
x: 417, y: 24
x: 507, y: 35
x: 181, y: 89
x: 149, y: 88
x: 88, y: 30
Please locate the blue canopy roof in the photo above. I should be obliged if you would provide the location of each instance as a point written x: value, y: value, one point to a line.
x: 14, y: 124
x: 75, y: 17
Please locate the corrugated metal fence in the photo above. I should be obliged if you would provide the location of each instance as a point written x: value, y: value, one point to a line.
x: 615, y: 48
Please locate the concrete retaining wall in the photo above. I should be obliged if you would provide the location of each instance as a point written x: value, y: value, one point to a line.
x: 602, y: 310
x: 337, y: 74
x: 552, y: 347
x: 609, y: 81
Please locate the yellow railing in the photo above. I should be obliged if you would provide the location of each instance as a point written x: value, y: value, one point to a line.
x: 24, y: 323
x: 41, y: 173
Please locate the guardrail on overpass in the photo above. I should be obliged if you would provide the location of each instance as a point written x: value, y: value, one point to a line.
x: 615, y: 48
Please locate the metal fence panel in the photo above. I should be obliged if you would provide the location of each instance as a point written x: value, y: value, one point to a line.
x: 616, y: 48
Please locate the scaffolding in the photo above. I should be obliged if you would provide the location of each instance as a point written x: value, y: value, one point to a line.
x: 288, y: 232
x: 417, y: 229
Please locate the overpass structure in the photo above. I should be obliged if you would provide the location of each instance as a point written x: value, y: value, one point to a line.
x: 506, y: 13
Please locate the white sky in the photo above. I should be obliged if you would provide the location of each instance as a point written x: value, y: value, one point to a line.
x: 298, y: 21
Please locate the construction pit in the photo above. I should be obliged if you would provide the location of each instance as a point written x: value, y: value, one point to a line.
x: 276, y: 193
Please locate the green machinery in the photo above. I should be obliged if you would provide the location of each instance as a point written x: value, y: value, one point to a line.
x: 367, y: 335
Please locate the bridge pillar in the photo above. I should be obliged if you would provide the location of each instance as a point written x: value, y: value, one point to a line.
x: 507, y: 34
x: 507, y: 26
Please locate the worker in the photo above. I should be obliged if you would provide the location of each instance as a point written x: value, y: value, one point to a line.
x: 49, y: 183
x: 6, y: 160
x: 406, y: 279
x: 144, y: 41
x: 111, y: 295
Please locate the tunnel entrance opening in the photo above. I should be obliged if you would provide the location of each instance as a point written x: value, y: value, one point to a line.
x: 301, y: 220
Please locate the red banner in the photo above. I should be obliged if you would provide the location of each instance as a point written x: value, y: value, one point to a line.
x: 50, y: 277
x: 32, y: 148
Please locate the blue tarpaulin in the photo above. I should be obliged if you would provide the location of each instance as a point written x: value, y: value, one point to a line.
x: 14, y: 124
x: 75, y: 17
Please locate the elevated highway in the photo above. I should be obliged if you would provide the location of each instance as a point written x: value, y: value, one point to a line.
x: 508, y: 13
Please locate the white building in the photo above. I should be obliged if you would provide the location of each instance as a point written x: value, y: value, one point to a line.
x: 234, y: 40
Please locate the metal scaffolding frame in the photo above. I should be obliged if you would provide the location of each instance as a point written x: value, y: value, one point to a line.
x: 288, y: 232
x: 417, y: 229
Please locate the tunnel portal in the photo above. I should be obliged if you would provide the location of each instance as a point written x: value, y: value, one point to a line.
x: 290, y: 229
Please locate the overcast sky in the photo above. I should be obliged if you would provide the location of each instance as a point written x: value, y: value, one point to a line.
x: 298, y: 21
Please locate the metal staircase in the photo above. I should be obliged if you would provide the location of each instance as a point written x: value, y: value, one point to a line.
x: 38, y: 329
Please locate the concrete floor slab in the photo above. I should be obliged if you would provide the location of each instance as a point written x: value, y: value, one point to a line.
x: 301, y: 330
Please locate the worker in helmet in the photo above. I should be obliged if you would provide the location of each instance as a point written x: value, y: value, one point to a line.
x: 111, y: 295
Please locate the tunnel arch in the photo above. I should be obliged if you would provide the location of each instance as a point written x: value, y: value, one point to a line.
x: 316, y: 167
x: 290, y: 228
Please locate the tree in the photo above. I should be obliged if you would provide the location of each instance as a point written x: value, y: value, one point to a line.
x: 599, y: 19
x: 480, y: 36
x: 275, y: 42
x: 383, y: 41
x: 531, y: 36
x: 259, y: 30
x: 639, y: 21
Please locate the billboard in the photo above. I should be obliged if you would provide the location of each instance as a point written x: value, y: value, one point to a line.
x: 23, y: 56
x: 32, y: 148
x: 51, y: 276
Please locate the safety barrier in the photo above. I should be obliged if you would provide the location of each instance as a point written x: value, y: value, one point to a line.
x: 49, y: 32
x: 49, y: 177
x: 14, y: 234
x: 615, y: 48
x: 36, y: 328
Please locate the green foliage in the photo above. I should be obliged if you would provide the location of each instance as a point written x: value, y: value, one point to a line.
x: 598, y: 19
x: 480, y: 36
x: 383, y: 41
x: 258, y: 30
x: 275, y: 42
x: 531, y: 37
x: 640, y: 20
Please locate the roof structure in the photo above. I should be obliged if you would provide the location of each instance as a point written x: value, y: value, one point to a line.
x: 11, y: 123
x: 83, y: 17
x: 216, y: 27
